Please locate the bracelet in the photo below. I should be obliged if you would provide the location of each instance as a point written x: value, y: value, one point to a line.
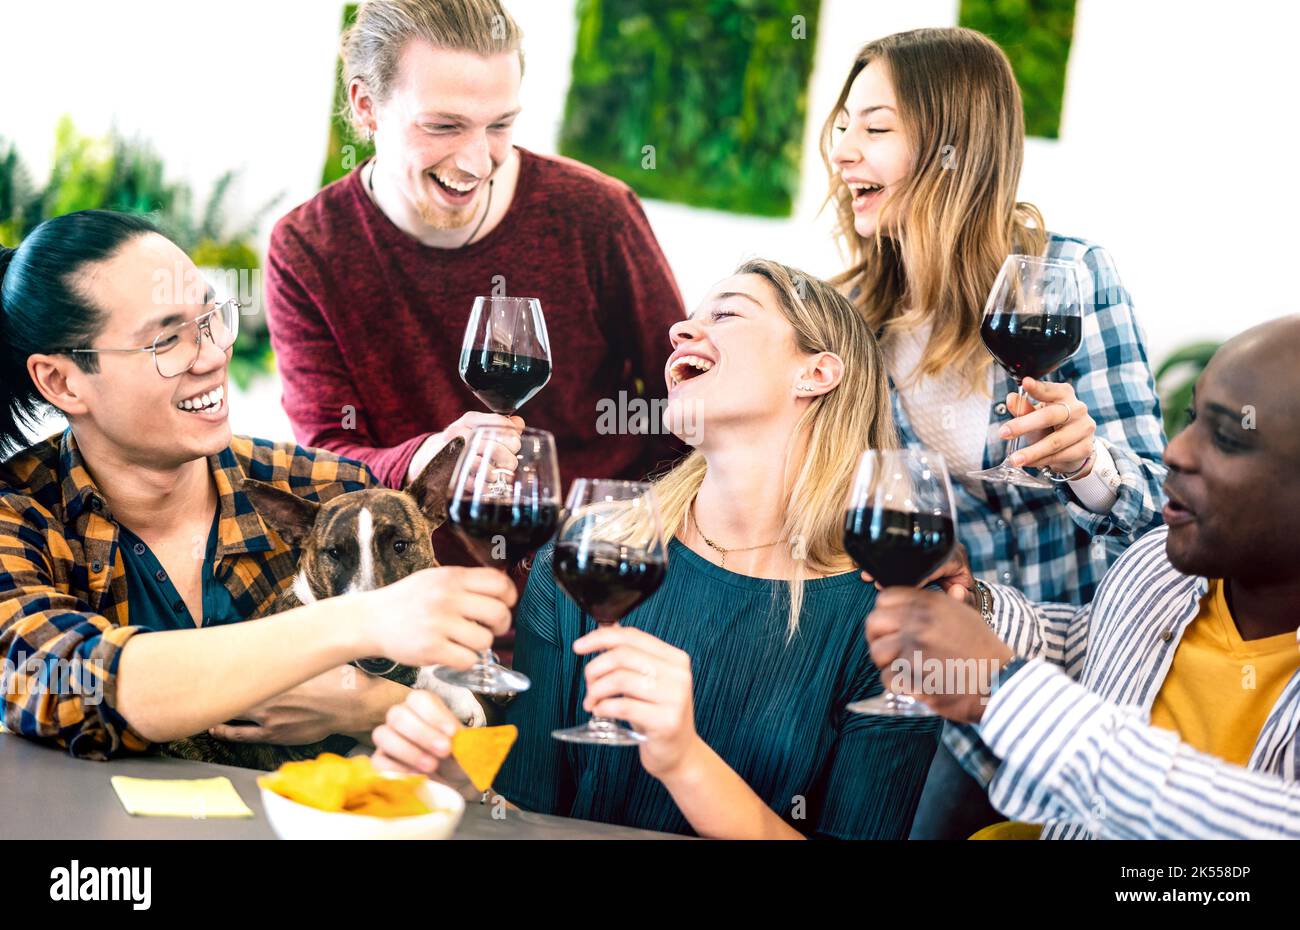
x: 985, y: 598
x: 1053, y: 476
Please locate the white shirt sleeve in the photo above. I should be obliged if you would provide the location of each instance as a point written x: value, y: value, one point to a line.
x: 1099, y: 489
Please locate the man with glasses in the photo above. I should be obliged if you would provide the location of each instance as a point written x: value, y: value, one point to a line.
x: 130, y: 555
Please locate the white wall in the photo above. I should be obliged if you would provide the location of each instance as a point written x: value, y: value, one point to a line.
x: 1175, y: 151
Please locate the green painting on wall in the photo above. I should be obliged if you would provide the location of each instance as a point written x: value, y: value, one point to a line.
x: 695, y: 101
x: 1036, y: 36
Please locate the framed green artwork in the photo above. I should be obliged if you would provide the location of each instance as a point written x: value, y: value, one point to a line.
x: 695, y: 101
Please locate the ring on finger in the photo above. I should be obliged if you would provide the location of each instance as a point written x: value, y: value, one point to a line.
x: 1069, y: 414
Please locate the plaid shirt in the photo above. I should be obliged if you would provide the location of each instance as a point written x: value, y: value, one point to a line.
x: 63, y: 589
x: 1043, y: 541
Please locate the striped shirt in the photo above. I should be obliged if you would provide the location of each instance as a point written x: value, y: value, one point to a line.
x: 1067, y: 741
x: 1045, y: 542
x: 64, y: 615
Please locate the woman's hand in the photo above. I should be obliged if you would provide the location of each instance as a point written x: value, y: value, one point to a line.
x: 953, y: 576
x: 415, y: 736
x: 461, y: 428
x: 646, y: 682
x: 1069, y: 442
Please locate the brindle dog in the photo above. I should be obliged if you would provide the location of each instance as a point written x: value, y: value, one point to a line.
x: 353, y: 542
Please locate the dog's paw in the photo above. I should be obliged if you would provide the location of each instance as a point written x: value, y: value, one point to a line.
x: 460, y: 701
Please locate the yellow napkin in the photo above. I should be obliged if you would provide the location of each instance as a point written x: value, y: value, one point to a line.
x: 197, y: 798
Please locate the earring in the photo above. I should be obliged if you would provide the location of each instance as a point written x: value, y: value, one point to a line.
x: 804, y: 387
x: 370, y: 134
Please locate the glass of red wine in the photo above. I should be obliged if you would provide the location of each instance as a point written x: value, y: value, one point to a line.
x: 899, y: 527
x: 609, y: 558
x: 505, y: 357
x: 503, y: 504
x: 1032, y: 324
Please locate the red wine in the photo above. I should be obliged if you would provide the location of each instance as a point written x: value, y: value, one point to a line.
x: 503, y: 380
x: 606, y: 580
x: 897, y: 547
x: 486, y: 526
x: 1031, y: 345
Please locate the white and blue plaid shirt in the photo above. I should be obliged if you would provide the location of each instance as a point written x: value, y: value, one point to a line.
x: 1067, y: 741
x: 1045, y: 542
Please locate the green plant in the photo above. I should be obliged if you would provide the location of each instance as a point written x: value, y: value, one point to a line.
x: 116, y: 173
x: 1175, y: 379
x: 345, y: 151
x: 1036, y: 36
x: 697, y: 101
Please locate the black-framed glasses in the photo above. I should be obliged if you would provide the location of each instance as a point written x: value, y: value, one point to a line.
x: 176, y: 349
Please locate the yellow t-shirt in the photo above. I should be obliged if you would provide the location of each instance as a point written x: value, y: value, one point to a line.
x: 1220, y: 688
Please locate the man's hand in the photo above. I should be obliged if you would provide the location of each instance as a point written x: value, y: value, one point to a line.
x: 910, y: 629
x: 341, y: 700
x: 436, y: 616
x: 461, y: 428
x: 954, y: 576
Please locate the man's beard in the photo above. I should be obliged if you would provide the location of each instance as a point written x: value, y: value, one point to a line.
x: 436, y: 216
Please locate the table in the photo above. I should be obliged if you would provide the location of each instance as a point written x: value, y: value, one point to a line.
x: 47, y: 794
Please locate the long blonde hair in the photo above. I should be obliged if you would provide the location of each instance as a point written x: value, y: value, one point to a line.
x: 840, y: 424
x: 955, y: 218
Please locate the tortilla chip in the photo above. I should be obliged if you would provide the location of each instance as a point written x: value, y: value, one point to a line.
x: 481, y: 751
x: 351, y: 786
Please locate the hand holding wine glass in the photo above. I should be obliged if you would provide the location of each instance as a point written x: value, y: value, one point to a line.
x: 609, y: 557
x: 899, y: 527
x: 1059, y: 428
x: 1032, y: 323
x: 504, y: 503
x: 641, y: 679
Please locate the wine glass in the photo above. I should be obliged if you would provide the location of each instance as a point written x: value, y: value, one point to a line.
x: 503, y: 504
x: 505, y: 357
x: 899, y: 526
x: 609, y: 558
x: 1031, y: 325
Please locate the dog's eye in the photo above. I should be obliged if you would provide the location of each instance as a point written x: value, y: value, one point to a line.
x: 334, y: 553
x: 400, y: 546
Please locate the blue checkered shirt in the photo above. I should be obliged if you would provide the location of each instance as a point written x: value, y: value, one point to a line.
x: 1044, y: 542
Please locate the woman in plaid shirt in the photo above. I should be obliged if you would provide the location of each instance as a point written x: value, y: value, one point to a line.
x: 90, y: 324
x: 924, y: 147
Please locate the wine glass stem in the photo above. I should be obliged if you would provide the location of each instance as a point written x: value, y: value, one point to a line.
x: 1014, y: 445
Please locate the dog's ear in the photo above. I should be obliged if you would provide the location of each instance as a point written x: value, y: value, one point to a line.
x: 431, y: 486
x: 288, y: 514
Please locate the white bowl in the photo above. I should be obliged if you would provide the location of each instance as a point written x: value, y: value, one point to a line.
x: 293, y: 821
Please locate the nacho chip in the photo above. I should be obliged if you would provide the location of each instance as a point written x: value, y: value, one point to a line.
x: 351, y: 786
x: 481, y: 751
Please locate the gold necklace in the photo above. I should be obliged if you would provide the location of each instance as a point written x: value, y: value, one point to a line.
x: 714, y: 546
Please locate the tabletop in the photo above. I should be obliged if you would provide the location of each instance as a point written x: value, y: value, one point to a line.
x: 47, y: 794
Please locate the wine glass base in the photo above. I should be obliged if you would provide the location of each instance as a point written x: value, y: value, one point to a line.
x: 890, y: 704
x: 482, y: 678
x: 1011, y: 474
x: 600, y: 733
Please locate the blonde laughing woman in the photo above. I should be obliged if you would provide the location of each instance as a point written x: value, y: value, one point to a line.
x: 924, y: 146
x: 737, y: 675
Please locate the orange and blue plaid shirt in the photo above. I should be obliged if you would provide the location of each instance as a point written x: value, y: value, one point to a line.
x: 64, y: 616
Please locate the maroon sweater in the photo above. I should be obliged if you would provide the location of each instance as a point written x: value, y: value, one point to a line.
x: 364, y: 318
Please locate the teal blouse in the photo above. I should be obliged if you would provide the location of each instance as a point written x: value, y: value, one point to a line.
x: 772, y: 708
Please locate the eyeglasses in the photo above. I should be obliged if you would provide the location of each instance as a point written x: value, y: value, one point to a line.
x: 176, y: 349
